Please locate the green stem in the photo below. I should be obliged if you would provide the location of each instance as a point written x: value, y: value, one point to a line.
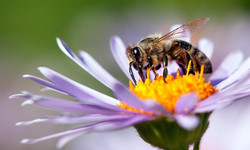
x: 197, y: 144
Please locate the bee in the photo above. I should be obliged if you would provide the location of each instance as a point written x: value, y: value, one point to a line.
x: 154, y: 51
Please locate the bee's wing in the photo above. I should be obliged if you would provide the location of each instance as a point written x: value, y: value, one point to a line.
x: 184, y: 30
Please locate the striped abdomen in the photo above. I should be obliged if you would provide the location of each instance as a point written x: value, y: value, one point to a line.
x: 182, y: 52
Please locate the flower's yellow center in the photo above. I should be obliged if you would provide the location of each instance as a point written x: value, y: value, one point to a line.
x: 167, y: 93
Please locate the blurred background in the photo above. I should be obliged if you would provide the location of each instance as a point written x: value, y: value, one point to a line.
x: 27, y: 40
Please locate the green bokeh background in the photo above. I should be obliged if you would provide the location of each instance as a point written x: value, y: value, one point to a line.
x: 27, y: 40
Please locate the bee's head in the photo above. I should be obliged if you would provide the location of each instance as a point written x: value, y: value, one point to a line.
x: 134, y: 54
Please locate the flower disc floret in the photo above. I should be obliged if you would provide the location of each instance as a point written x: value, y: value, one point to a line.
x: 167, y: 92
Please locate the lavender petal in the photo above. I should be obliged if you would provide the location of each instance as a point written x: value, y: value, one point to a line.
x: 118, y: 50
x: 237, y: 86
x: 62, y: 105
x: 223, y: 100
x: 111, y: 125
x: 26, y: 123
x: 96, y: 70
x: 66, y: 139
x: 102, y: 75
x: 227, y: 67
x: 101, y: 126
x: 42, y: 82
x: 206, y: 46
x: 186, y: 103
x: 211, y: 107
x: 160, y: 109
x: 173, y: 67
x: 71, y: 119
x: 115, y: 125
x: 79, y: 92
x: 123, y: 94
x: 66, y: 50
x: 84, y: 129
x: 76, y: 89
x: 240, y: 73
x: 88, y: 118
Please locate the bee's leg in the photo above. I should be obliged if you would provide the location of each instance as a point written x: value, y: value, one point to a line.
x: 131, y: 73
x: 150, y: 61
x: 145, y: 68
x: 165, y: 64
x: 150, y: 65
x: 158, y: 67
x: 191, y: 71
x: 141, y: 74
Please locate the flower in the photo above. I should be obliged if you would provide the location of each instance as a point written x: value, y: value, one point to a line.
x: 139, y: 106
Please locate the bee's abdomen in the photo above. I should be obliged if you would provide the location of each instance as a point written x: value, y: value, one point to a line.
x: 183, y: 44
x: 201, y: 59
x: 179, y: 47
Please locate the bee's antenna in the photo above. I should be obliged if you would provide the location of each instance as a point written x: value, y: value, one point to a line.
x: 131, y: 73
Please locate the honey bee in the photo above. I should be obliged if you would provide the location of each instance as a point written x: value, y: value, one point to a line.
x: 154, y: 51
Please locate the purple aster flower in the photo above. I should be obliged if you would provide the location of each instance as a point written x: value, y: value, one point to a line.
x: 186, y: 114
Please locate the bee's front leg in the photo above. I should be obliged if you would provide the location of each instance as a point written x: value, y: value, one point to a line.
x: 131, y: 72
x: 165, y: 64
x: 150, y: 63
x: 141, y: 74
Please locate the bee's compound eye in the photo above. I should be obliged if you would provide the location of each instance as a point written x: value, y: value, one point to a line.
x: 136, y: 52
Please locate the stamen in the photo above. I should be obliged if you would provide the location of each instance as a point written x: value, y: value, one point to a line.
x: 202, y: 71
x: 167, y: 93
x: 178, y: 73
x: 189, y: 66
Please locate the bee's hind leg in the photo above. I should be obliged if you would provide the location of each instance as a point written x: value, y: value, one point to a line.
x: 165, y: 64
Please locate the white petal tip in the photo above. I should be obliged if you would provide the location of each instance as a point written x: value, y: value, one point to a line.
x: 58, y: 41
x: 27, y: 102
x: 25, y: 141
x: 43, y: 69
x: 26, y: 75
x: 14, y: 96
x: 45, y: 89
x: 40, y: 68
x: 83, y: 53
x: 30, y: 122
x: 60, y: 144
x: 23, y: 94
x: 206, y: 41
x: 64, y: 48
x: 207, y: 46
x: 115, y: 37
x: 19, y: 123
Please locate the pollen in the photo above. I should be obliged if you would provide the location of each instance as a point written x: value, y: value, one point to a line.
x: 167, y: 93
